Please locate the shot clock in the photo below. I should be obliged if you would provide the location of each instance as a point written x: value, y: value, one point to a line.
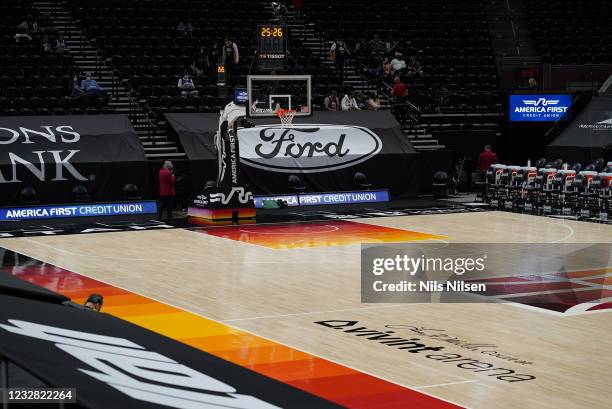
x: 221, y: 75
x: 271, y: 47
x: 523, y: 74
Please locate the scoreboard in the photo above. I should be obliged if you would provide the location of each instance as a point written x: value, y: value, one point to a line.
x: 271, y: 47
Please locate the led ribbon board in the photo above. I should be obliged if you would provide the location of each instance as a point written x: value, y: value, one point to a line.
x: 336, y: 198
x: 82, y: 210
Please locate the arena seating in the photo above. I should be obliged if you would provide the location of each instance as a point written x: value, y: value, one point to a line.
x: 34, y: 81
x: 450, y: 40
x: 144, y: 45
x: 570, y: 32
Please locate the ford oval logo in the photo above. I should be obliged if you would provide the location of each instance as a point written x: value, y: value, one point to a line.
x: 307, y: 148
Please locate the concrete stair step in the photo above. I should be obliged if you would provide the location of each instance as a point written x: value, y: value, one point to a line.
x: 157, y: 138
x: 430, y: 148
x: 167, y: 155
x: 159, y: 144
x: 158, y: 149
x: 418, y: 142
x: 85, y: 56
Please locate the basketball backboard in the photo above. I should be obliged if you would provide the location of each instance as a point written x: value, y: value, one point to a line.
x: 268, y: 93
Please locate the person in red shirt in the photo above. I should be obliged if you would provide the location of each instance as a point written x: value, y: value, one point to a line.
x: 399, y: 88
x: 486, y: 159
x: 167, y: 191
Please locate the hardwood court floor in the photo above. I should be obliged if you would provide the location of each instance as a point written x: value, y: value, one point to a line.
x: 279, y: 288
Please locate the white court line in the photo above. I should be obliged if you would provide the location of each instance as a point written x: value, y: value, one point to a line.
x: 445, y: 384
x: 207, y: 261
x: 289, y: 233
x: 313, y: 312
x: 569, y: 235
x: 273, y: 339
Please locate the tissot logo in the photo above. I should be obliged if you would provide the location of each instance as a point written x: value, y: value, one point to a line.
x: 35, y: 162
x: 541, y: 101
x: 307, y: 148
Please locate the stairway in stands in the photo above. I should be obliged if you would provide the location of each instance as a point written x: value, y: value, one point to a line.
x: 511, y: 36
x: 509, y: 29
x: 156, y: 143
x: 306, y: 33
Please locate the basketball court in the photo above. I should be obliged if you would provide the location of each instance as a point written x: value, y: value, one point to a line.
x: 284, y: 297
x: 325, y: 210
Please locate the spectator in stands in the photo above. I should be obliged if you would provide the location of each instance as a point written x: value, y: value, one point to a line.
x: 91, y: 87
x: 28, y: 26
x: 338, y: 53
x: 374, y: 102
x: 414, y: 68
x: 331, y: 102
x: 399, y: 88
x: 167, y: 191
x: 533, y: 83
x: 185, y: 28
x: 486, y: 159
x: 361, y: 100
x: 230, y: 57
x: 387, y: 69
x: 349, y: 103
x: 76, y: 90
x: 186, y: 86
x: 398, y: 64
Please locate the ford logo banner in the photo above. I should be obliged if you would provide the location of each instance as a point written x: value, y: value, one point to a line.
x: 307, y: 148
x: 539, y: 108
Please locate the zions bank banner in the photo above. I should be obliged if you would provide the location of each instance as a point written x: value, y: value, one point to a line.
x: 53, y: 154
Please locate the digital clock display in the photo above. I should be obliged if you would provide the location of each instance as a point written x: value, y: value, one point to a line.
x: 272, y: 47
x: 267, y: 31
x: 530, y: 72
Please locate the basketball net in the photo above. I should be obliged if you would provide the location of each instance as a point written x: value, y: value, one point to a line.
x: 286, y: 116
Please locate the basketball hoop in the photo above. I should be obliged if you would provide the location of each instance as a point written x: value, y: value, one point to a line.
x: 286, y: 116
